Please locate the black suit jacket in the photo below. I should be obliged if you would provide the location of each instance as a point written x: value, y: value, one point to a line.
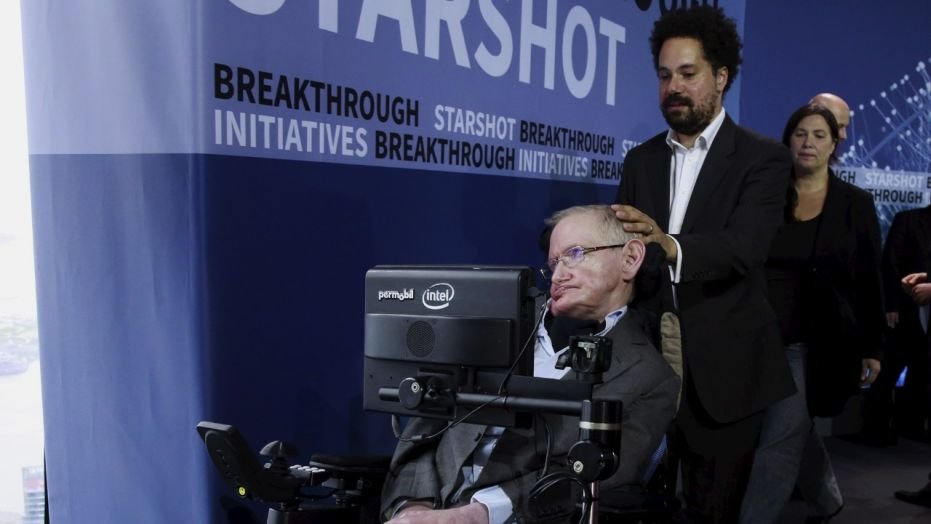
x: 848, y: 317
x: 905, y: 252
x: 848, y: 249
x: 638, y: 376
x: 730, y: 338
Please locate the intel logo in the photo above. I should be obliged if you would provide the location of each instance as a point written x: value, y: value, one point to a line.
x: 438, y: 296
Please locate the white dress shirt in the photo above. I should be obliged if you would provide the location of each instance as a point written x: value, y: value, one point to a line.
x: 683, y: 174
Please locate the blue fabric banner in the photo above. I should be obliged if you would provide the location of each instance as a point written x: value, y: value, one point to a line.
x: 211, y: 180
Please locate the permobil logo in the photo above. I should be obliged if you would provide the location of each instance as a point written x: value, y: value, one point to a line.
x: 393, y: 294
x: 438, y: 296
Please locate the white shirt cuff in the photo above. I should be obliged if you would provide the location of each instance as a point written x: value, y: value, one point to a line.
x: 496, y: 502
x: 675, y: 273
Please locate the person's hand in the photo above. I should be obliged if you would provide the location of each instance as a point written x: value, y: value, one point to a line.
x: 870, y: 371
x: 635, y: 221
x: 911, y: 280
x: 892, y: 319
x: 474, y: 513
x: 921, y: 293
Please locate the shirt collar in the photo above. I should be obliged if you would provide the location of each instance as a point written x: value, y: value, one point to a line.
x: 612, y: 319
x: 543, y: 337
x: 706, y: 137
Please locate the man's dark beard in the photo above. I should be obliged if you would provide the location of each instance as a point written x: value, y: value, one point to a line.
x: 689, y: 123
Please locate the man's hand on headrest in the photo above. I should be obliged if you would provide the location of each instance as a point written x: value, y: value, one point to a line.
x: 636, y: 221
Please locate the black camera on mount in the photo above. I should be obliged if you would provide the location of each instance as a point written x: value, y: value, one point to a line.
x: 329, y: 490
x: 588, y: 356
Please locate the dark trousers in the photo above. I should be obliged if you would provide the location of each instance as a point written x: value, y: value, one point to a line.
x: 716, y: 460
x: 890, y: 411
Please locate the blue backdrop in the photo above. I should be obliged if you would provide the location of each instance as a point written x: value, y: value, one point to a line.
x: 876, y: 56
x: 202, y: 229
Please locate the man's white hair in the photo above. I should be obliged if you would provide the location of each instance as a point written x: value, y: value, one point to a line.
x: 611, y: 229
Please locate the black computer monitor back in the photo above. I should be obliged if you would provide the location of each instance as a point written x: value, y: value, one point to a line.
x: 464, y: 326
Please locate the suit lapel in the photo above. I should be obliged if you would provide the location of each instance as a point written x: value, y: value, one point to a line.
x: 626, y: 333
x: 712, y: 172
x: 836, y: 206
x: 453, y: 453
x: 659, y: 181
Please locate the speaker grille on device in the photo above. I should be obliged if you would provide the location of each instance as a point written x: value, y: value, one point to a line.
x: 420, y: 338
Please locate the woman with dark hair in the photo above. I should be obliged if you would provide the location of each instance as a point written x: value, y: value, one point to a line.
x: 824, y: 284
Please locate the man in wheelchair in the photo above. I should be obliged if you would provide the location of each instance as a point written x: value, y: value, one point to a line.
x: 484, y: 474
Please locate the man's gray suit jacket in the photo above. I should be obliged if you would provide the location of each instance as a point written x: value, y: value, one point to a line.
x: 638, y: 377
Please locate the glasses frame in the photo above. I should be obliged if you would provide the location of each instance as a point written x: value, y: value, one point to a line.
x: 570, y: 261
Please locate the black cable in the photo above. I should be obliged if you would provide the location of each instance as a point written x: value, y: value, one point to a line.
x: 555, y: 478
x: 586, y: 508
x: 523, y: 349
x: 549, y: 444
x: 395, y: 424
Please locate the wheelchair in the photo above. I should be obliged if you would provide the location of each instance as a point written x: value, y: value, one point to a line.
x: 334, y: 489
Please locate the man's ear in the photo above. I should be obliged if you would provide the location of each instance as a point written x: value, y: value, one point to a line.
x: 631, y: 258
x: 720, y: 78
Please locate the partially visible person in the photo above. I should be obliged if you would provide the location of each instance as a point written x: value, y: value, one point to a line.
x: 711, y: 195
x: 906, y: 340
x: 889, y: 413
x: 816, y: 482
x: 839, y: 108
x: 478, y: 474
x: 917, y: 286
x: 825, y: 259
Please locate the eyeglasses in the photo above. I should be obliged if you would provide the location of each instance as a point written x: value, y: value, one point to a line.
x: 575, y: 255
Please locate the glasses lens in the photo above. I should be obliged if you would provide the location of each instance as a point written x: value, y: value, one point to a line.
x: 573, y: 256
